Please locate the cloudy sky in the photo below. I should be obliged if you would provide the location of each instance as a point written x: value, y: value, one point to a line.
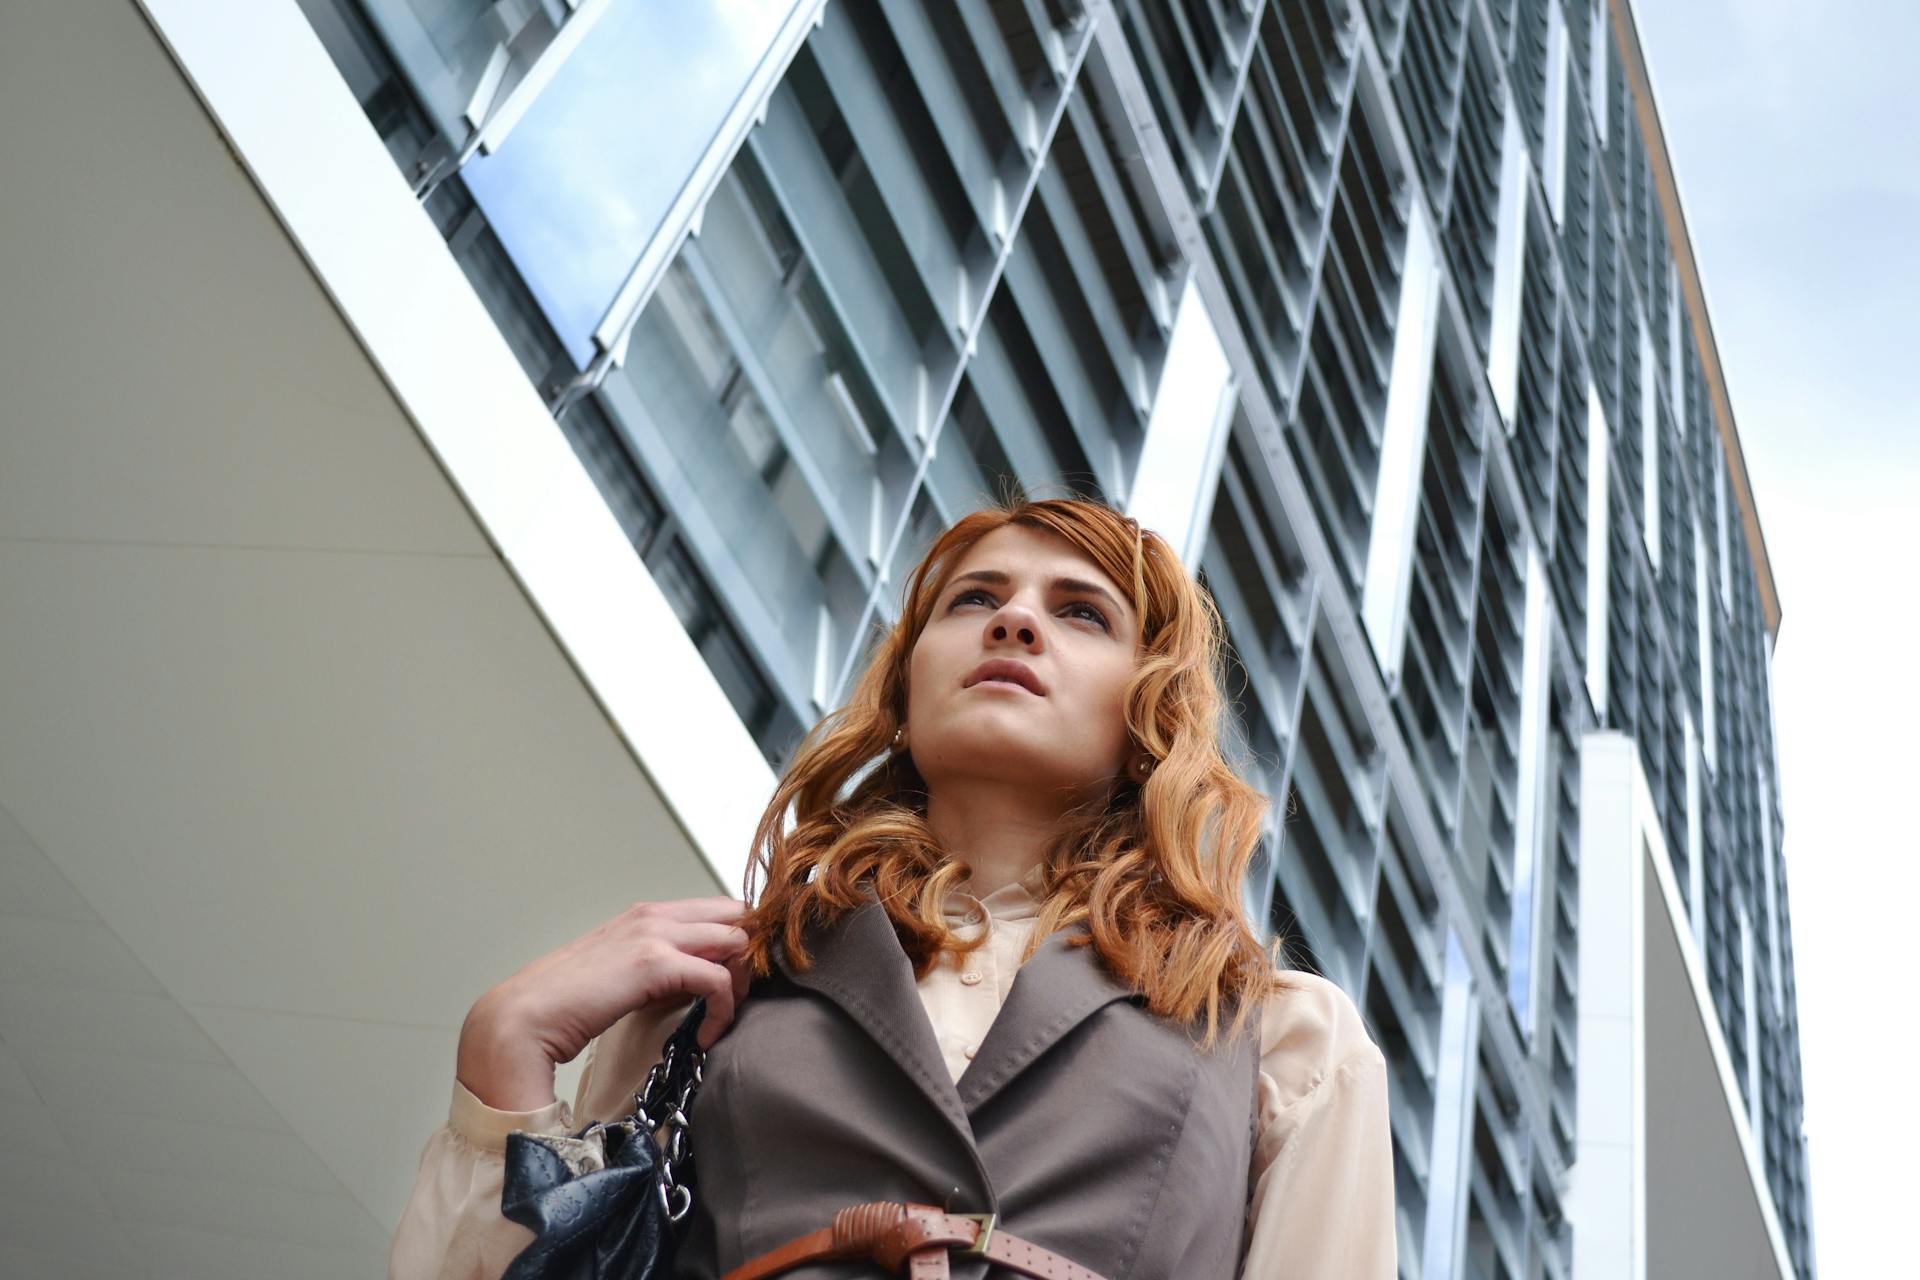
x: 1793, y: 131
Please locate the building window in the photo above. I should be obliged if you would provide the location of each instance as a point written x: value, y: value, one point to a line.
x: 585, y: 182
x: 467, y: 58
x: 785, y: 538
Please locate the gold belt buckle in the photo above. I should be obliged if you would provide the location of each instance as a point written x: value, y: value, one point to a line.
x: 978, y: 1249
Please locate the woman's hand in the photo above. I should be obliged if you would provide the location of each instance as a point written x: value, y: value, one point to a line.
x: 651, y: 954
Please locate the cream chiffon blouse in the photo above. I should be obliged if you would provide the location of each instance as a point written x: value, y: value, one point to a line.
x: 1320, y: 1204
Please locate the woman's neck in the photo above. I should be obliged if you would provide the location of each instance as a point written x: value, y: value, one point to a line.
x: 999, y: 829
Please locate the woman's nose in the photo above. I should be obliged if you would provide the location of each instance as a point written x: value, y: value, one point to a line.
x: 1017, y: 621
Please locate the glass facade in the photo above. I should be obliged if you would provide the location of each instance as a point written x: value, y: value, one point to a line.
x: 806, y: 289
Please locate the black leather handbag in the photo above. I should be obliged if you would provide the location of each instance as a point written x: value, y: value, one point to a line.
x: 607, y: 1202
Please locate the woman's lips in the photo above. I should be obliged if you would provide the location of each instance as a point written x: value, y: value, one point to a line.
x: 1006, y: 670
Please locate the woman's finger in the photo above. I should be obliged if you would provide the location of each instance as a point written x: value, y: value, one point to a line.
x: 706, y: 939
x: 722, y: 910
x: 696, y: 977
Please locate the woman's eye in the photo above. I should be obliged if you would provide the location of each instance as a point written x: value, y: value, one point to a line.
x: 975, y: 593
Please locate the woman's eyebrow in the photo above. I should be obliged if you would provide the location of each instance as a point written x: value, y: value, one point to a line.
x: 1080, y: 585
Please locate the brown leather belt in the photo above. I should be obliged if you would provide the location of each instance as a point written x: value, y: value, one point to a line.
x: 915, y: 1240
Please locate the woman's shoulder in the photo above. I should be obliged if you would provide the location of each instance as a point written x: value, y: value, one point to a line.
x: 1309, y: 1027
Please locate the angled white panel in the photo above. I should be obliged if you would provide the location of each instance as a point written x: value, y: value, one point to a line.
x: 1703, y: 617
x: 1606, y: 1191
x: 1528, y: 834
x: 1763, y: 805
x: 1509, y: 266
x: 1720, y: 526
x: 1599, y: 548
x: 305, y: 142
x: 1676, y: 360
x: 1451, y: 1155
x: 1750, y: 999
x: 1696, y: 843
x: 1553, y: 161
x: 1179, y: 466
x: 1383, y: 605
x: 1649, y: 447
x: 1668, y: 1177
x: 1597, y: 46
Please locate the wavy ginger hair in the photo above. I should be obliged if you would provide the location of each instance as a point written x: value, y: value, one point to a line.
x: 1153, y: 873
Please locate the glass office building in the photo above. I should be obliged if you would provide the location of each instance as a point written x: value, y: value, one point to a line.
x: 1382, y: 310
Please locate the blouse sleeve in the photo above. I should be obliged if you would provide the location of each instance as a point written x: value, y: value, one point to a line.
x: 1321, y: 1200
x: 452, y: 1228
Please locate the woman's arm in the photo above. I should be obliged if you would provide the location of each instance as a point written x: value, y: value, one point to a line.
x: 451, y: 1228
x: 615, y: 993
x: 1321, y: 1199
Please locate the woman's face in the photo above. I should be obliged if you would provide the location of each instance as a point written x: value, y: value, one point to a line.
x: 1021, y: 671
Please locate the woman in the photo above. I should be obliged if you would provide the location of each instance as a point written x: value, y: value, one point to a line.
x: 999, y: 964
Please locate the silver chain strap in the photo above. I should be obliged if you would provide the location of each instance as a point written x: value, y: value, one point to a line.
x: 667, y: 1115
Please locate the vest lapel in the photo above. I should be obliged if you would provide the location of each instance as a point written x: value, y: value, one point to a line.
x: 859, y: 965
x: 1059, y: 987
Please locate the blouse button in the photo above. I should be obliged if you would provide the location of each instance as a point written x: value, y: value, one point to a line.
x: 971, y: 1049
x: 971, y: 978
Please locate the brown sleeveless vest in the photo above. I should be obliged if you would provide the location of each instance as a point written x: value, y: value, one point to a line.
x: 1093, y: 1127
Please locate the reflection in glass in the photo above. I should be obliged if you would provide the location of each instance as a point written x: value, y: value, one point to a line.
x: 792, y: 342
x: 464, y: 55
x: 731, y: 459
x: 583, y: 183
x: 1453, y: 1105
x: 757, y: 413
